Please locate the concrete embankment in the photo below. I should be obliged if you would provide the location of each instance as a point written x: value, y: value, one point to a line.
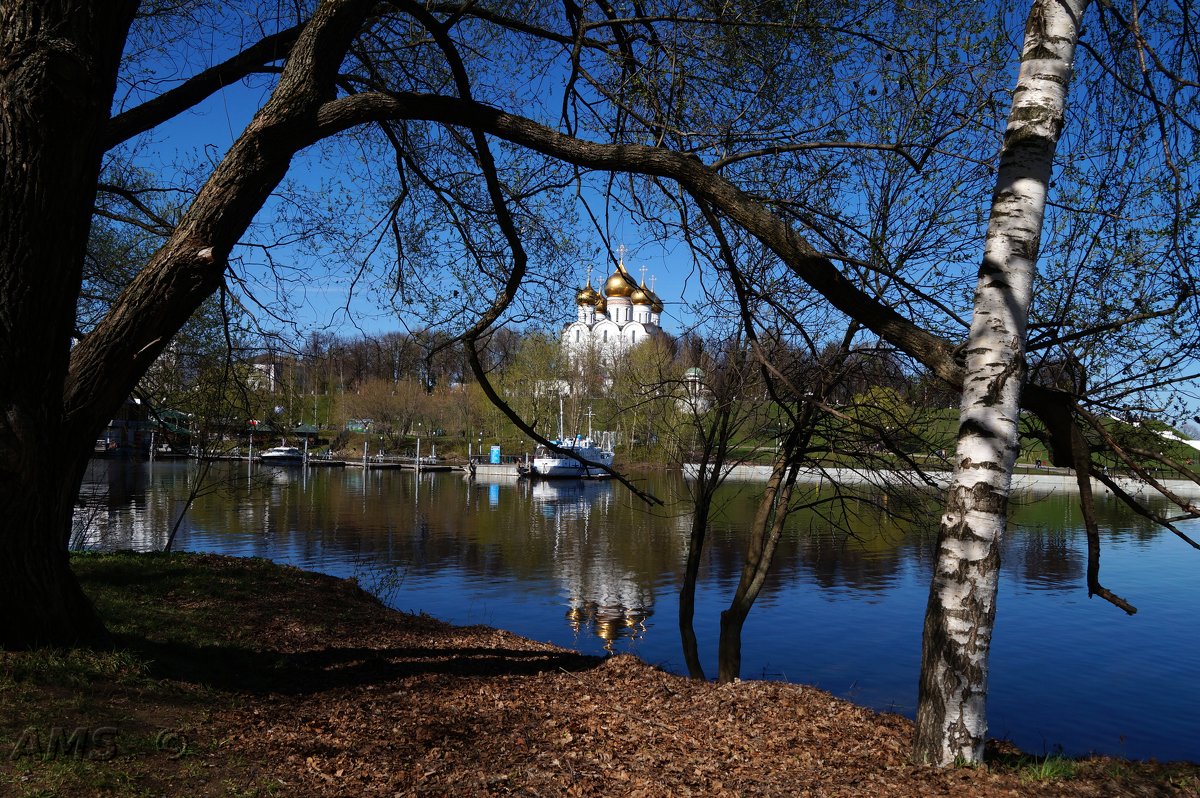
x: 1041, y: 482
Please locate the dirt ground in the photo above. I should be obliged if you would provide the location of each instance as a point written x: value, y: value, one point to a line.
x: 322, y: 691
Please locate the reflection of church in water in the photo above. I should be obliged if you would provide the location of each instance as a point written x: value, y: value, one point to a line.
x: 615, y: 319
x: 603, y: 597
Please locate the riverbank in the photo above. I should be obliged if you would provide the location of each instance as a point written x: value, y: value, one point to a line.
x: 240, y: 677
x: 1035, y: 479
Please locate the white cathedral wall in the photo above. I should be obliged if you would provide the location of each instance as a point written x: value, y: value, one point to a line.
x: 606, y: 332
x: 619, y: 310
x: 576, y: 338
x: 612, y: 336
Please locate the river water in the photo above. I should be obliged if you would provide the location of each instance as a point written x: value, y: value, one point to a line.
x: 590, y: 566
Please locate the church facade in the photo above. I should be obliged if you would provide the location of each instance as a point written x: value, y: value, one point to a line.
x: 613, y: 320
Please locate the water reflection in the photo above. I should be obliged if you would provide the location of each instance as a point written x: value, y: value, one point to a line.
x: 586, y: 564
x: 606, y: 596
x: 592, y: 538
x: 115, y: 509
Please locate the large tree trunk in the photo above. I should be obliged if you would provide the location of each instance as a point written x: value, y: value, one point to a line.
x: 951, y: 711
x: 41, y: 602
x: 58, y: 65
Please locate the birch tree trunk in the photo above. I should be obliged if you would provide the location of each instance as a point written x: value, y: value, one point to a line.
x: 951, y: 710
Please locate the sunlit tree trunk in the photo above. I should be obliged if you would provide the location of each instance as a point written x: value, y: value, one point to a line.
x: 951, y: 712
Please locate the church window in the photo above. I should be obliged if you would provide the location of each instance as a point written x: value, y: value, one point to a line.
x: 606, y: 336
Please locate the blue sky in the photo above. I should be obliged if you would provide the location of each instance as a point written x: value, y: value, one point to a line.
x: 327, y: 303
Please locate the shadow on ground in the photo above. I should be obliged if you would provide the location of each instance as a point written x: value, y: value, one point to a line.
x: 235, y: 668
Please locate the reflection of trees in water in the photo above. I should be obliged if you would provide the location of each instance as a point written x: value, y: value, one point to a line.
x: 861, y: 545
x: 126, y: 504
x: 1046, y: 547
x: 1044, y: 558
x: 592, y: 542
x: 864, y: 542
x: 568, y: 537
x: 855, y: 541
x: 839, y: 560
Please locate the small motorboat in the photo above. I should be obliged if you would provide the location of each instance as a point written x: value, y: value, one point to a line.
x: 283, y: 455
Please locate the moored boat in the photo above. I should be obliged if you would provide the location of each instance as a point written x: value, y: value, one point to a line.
x: 283, y: 455
x: 580, y: 458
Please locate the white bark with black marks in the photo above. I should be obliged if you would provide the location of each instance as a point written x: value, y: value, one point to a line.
x: 951, y: 712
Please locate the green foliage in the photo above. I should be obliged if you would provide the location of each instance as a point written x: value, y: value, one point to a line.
x: 73, y: 667
x: 1052, y: 767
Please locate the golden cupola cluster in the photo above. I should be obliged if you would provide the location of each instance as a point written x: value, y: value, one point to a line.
x: 640, y: 296
x: 644, y: 296
x: 619, y: 284
x: 613, y: 315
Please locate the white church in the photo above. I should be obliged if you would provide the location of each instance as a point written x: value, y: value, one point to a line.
x: 614, y: 320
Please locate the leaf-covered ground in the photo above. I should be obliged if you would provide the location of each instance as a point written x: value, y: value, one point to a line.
x: 238, y: 677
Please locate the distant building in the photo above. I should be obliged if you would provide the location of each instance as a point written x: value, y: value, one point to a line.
x: 263, y: 375
x: 612, y: 321
x: 696, y: 397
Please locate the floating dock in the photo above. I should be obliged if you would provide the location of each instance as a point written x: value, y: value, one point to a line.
x: 494, y: 470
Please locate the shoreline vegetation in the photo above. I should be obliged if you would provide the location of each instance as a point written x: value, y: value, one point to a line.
x: 241, y: 677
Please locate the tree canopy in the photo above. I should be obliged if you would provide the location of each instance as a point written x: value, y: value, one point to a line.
x: 807, y: 155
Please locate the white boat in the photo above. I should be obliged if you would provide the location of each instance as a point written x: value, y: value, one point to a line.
x: 283, y: 455
x: 585, y: 455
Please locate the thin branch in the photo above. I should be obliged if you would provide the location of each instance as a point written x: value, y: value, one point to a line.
x: 779, y: 149
x: 197, y: 88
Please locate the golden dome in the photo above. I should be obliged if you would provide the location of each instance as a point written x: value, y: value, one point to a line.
x: 601, y: 304
x: 620, y: 283
x: 641, y: 296
x: 586, y: 295
x: 656, y: 304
